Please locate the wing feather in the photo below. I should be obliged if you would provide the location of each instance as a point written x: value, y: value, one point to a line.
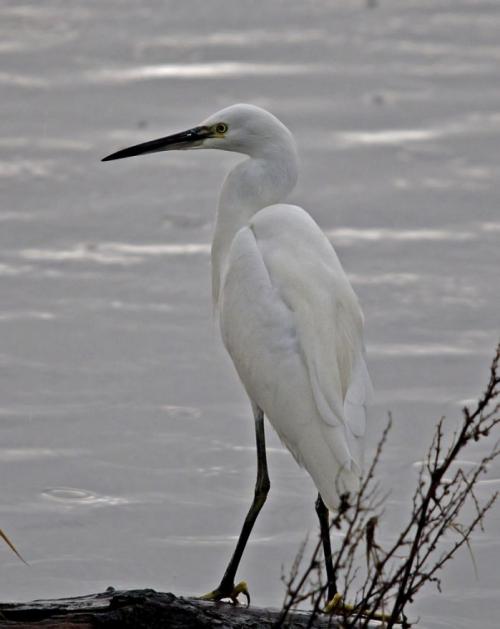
x: 306, y: 271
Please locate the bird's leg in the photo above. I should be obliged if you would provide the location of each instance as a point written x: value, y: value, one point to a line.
x: 322, y: 512
x: 336, y: 602
x: 227, y: 589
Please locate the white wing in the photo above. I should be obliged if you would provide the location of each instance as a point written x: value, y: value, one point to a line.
x: 293, y: 327
x: 358, y: 397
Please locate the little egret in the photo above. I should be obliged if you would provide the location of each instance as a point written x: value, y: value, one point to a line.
x: 288, y: 315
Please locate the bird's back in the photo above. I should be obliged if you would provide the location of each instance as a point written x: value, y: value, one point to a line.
x: 293, y: 327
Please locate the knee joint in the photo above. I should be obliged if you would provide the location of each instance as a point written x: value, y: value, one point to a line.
x: 262, y: 488
x: 321, y: 509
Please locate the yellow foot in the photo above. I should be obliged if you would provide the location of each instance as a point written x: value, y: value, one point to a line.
x: 338, y: 606
x: 217, y: 595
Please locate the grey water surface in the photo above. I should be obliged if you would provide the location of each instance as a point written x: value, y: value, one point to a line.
x: 126, y: 442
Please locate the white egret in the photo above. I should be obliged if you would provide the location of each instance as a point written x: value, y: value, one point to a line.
x: 288, y: 315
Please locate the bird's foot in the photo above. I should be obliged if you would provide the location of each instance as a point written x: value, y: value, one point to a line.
x: 231, y: 593
x: 337, y: 605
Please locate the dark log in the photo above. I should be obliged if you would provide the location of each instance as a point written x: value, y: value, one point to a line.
x: 145, y: 609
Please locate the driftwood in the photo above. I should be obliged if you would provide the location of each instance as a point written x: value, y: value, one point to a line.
x: 145, y: 609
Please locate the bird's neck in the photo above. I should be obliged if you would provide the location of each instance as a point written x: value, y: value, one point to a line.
x: 253, y: 184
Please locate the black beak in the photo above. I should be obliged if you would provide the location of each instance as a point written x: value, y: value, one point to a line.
x: 183, y: 140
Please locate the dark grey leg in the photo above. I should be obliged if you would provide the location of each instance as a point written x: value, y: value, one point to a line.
x: 262, y: 486
x: 322, y: 512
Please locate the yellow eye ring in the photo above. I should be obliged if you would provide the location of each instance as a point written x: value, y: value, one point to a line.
x: 221, y: 128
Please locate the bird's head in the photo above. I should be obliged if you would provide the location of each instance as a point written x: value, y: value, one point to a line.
x: 240, y: 128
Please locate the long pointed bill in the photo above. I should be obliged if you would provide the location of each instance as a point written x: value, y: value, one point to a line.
x: 189, y: 139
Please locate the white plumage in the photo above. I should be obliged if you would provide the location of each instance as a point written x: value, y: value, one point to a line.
x: 293, y: 327
x: 288, y: 315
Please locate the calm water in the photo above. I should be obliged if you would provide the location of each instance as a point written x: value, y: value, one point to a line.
x: 126, y: 443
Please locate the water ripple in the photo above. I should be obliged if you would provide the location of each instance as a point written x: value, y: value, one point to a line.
x: 27, y: 315
x: 247, y: 38
x: 384, y: 137
x: 8, y: 269
x: 348, y: 235
x: 457, y: 463
x: 181, y: 412
x: 423, y: 349
x: 45, y: 144
x: 32, y: 454
x: 395, y: 279
x: 475, y: 122
x: 154, y: 249
x: 139, y: 307
x: 214, y: 70
x: 81, y: 252
x: 113, y: 252
x: 31, y: 167
x: 490, y: 482
x: 209, y: 540
x: 20, y: 80
x: 73, y: 496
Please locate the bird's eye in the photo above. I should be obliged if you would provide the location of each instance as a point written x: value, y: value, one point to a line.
x: 221, y: 127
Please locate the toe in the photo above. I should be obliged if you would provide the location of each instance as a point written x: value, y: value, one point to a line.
x: 214, y: 595
x: 334, y: 604
x: 240, y: 588
x: 338, y: 605
x: 222, y: 593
